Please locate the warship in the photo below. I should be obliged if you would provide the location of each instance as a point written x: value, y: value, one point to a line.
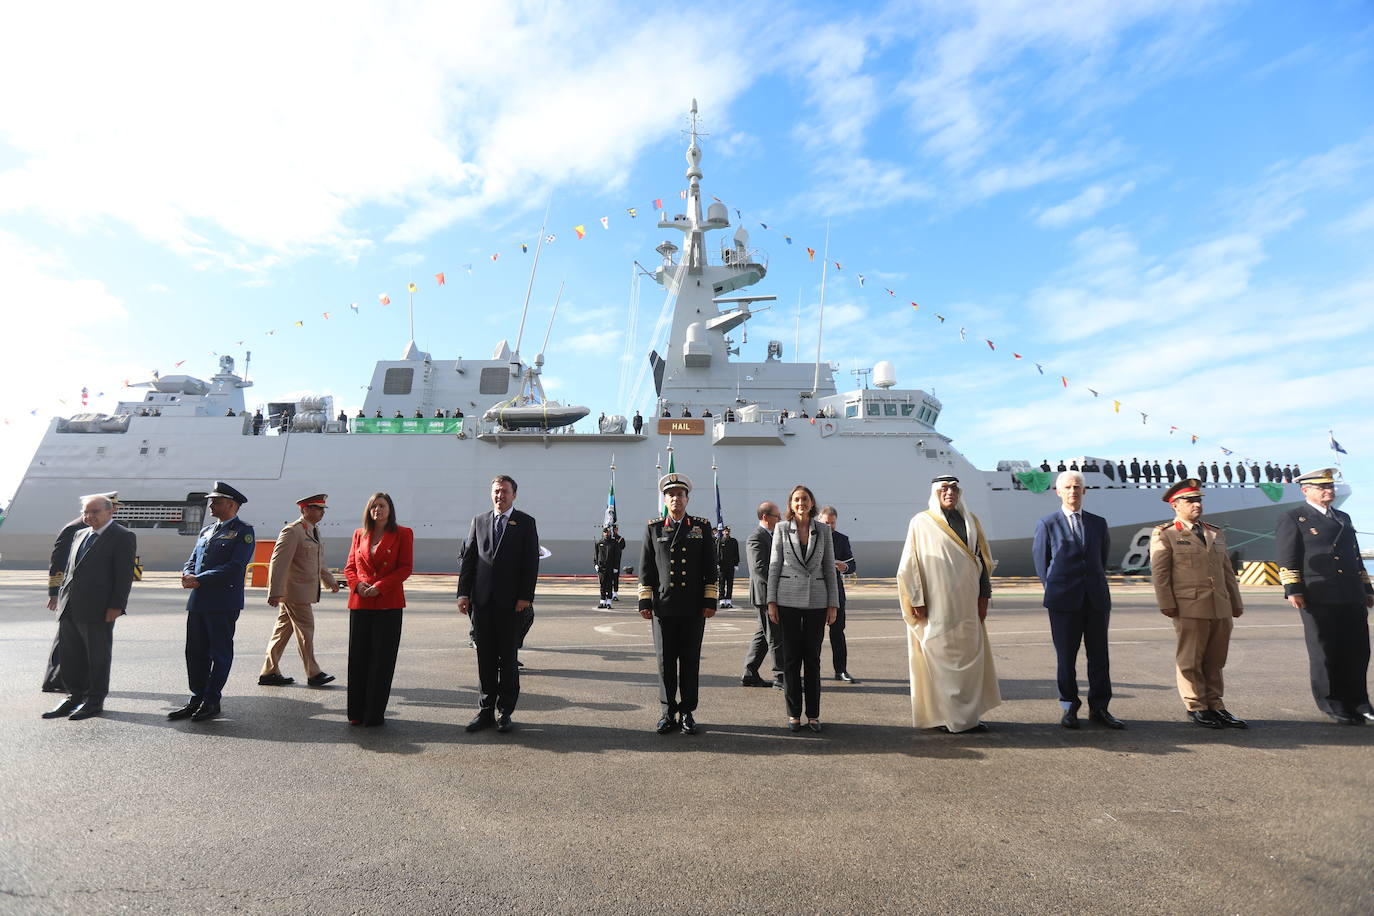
x: 761, y: 426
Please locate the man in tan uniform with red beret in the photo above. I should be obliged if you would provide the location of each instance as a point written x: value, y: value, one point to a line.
x: 293, y: 585
x: 1196, y: 587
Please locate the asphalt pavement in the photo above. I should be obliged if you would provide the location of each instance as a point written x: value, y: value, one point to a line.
x: 281, y: 806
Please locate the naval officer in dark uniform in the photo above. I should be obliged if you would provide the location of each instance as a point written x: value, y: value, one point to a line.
x: 214, y: 574
x: 1325, y: 579
x: 677, y: 591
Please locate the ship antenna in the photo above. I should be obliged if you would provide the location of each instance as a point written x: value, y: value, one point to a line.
x: 796, y: 342
x: 538, y: 246
x: 820, y: 324
x: 410, y: 299
x: 549, y: 330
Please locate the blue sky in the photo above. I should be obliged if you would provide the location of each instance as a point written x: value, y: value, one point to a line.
x: 1169, y: 202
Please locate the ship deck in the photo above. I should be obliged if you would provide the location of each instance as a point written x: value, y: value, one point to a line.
x: 281, y: 807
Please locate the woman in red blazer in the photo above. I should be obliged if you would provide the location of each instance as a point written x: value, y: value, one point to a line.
x: 378, y: 562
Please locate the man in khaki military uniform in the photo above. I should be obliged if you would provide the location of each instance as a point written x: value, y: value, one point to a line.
x: 293, y: 585
x: 1196, y: 587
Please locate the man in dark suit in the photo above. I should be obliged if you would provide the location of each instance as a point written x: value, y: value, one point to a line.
x: 677, y: 591
x: 94, y: 593
x: 498, y: 567
x: 1324, y: 578
x: 758, y: 549
x: 845, y: 564
x: 214, y: 574
x: 1071, y: 548
x: 57, y: 571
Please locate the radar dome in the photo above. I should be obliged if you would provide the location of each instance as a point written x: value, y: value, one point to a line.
x: 718, y: 213
x: 884, y: 375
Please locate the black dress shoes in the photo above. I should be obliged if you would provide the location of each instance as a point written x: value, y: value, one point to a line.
x: 1205, y: 717
x: 1230, y: 721
x: 1342, y: 719
x: 53, y: 688
x: 206, y: 711
x: 184, y: 712
x: 318, y: 680
x: 846, y: 677
x: 503, y: 723
x: 87, y: 710
x: 484, y: 719
x: 794, y: 725
x: 665, y: 725
x: 689, y: 724
x: 779, y: 684
x: 63, y: 709
x: 752, y: 679
x: 1070, y: 718
x: 275, y: 680
x: 1102, y: 717
x: 814, y: 725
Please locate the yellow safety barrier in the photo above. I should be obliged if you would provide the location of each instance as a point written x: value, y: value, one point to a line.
x: 1255, y: 573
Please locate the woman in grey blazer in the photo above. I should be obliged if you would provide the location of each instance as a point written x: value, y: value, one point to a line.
x: 802, y: 600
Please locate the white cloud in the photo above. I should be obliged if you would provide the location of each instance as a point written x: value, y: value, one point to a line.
x: 1359, y: 222
x: 263, y: 143
x: 1084, y: 205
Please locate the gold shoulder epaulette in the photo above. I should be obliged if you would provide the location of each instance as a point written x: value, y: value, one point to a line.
x: 1164, y: 526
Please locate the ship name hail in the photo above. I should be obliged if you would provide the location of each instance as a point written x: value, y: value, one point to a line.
x: 687, y: 426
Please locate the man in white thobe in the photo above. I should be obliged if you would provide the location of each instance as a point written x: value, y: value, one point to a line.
x: 944, y: 587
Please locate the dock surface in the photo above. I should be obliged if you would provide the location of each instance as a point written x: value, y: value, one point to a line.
x: 282, y: 807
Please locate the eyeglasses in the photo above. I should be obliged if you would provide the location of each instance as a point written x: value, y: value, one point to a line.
x: 948, y: 487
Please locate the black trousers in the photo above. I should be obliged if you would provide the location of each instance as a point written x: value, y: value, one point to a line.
x: 374, y: 638
x: 677, y: 642
x: 839, y: 649
x: 1338, y: 656
x: 86, y: 650
x: 801, y: 631
x: 1083, y: 626
x: 209, y: 652
x: 52, y: 675
x: 727, y: 582
x: 608, y: 579
x: 765, y: 638
x: 498, y: 633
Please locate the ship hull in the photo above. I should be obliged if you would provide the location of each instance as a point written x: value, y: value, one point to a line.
x: 439, y: 483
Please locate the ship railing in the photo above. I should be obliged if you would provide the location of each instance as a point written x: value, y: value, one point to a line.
x: 728, y: 257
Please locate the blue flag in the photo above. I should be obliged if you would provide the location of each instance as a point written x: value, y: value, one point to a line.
x: 1335, y: 446
x: 720, y: 519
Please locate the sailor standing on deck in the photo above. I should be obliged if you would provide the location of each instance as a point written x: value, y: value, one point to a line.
x: 677, y: 591
x: 1325, y: 579
x: 214, y: 574
x: 1196, y: 587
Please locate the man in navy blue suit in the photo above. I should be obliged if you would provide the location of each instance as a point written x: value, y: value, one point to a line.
x: 1071, y: 548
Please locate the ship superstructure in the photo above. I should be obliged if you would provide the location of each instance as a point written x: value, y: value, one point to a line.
x: 427, y: 434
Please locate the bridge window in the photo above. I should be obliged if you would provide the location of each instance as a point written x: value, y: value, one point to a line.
x: 907, y: 409
x: 872, y: 409
x: 398, y: 381
x: 851, y: 410
x: 890, y: 409
x: 494, y: 381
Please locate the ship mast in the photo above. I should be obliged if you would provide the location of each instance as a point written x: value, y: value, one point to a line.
x: 695, y: 256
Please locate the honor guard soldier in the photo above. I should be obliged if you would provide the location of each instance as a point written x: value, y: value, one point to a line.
x: 1325, y: 579
x: 677, y: 591
x: 214, y: 574
x: 1196, y: 587
x: 606, y: 553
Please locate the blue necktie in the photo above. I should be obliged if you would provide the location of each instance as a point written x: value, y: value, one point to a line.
x: 1076, y: 527
x: 85, y: 547
x: 497, y: 528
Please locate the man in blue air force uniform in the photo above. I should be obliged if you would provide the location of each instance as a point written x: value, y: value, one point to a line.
x: 214, y: 574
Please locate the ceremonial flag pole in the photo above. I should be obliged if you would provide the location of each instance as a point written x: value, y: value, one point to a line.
x: 610, y: 520
x: 720, y: 519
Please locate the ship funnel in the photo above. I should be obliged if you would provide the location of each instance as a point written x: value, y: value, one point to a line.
x: 884, y: 375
